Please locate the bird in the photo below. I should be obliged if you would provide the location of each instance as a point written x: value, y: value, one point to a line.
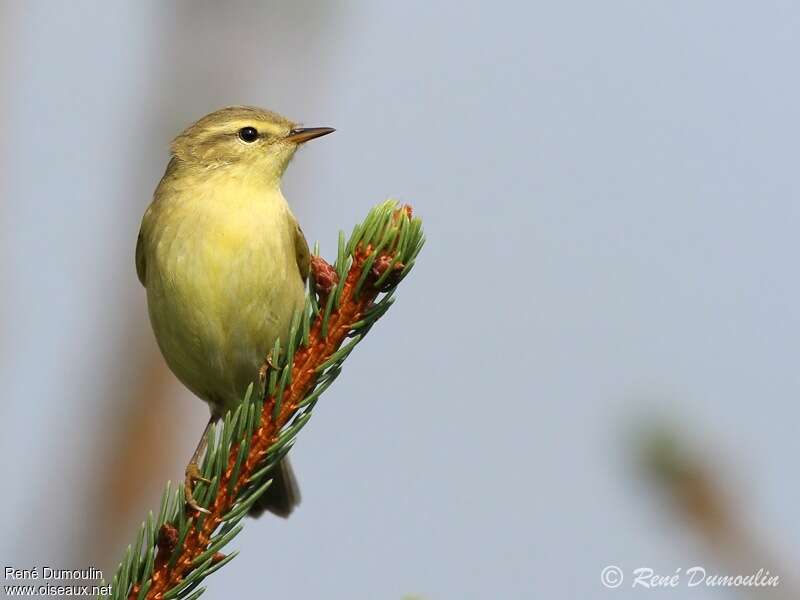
x: 224, y: 262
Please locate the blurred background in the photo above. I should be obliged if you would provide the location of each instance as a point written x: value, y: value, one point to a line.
x: 594, y: 362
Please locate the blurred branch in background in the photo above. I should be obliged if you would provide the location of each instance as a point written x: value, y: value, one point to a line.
x: 147, y: 431
x: 695, y: 489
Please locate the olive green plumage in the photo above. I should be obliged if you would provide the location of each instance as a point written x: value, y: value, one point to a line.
x: 221, y: 254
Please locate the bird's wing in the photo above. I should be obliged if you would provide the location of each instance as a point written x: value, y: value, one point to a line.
x: 141, y: 263
x: 302, y: 253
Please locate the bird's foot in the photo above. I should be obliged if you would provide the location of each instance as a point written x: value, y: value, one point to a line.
x: 193, y: 475
x: 269, y: 365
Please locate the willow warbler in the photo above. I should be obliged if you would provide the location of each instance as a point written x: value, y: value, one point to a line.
x: 224, y: 262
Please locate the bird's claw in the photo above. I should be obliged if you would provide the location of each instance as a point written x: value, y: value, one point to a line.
x: 269, y: 365
x: 193, y: 475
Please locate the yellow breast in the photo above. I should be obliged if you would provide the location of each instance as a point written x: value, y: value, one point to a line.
x: 222, y: 283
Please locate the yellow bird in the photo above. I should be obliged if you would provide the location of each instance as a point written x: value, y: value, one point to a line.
x: 224, y: 263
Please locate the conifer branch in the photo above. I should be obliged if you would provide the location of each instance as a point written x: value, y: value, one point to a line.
x: 175, y: 549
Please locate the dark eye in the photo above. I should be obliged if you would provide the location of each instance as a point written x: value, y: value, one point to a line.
x: 248, y: 134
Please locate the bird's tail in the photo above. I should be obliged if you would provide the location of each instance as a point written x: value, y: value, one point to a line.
x: 281, y: 496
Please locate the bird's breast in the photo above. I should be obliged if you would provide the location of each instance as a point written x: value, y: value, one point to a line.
x: 222, y: 285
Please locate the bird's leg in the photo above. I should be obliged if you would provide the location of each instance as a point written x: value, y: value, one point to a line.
x: 266, y: 367
x: 193, y: 471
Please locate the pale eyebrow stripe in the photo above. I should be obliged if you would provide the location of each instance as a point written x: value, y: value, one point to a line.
x: 263, y: 126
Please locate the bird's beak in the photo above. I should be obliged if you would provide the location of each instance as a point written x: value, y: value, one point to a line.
x: 304, y: 134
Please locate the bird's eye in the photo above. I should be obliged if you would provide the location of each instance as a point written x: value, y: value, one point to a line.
x: 248, y: 134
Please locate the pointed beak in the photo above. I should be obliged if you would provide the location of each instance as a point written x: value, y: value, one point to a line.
x: 304, y: 134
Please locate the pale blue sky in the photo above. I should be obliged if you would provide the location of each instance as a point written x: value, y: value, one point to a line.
x: 610, y: 195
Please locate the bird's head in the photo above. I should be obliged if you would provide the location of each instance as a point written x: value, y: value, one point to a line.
x: 250, y: 140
